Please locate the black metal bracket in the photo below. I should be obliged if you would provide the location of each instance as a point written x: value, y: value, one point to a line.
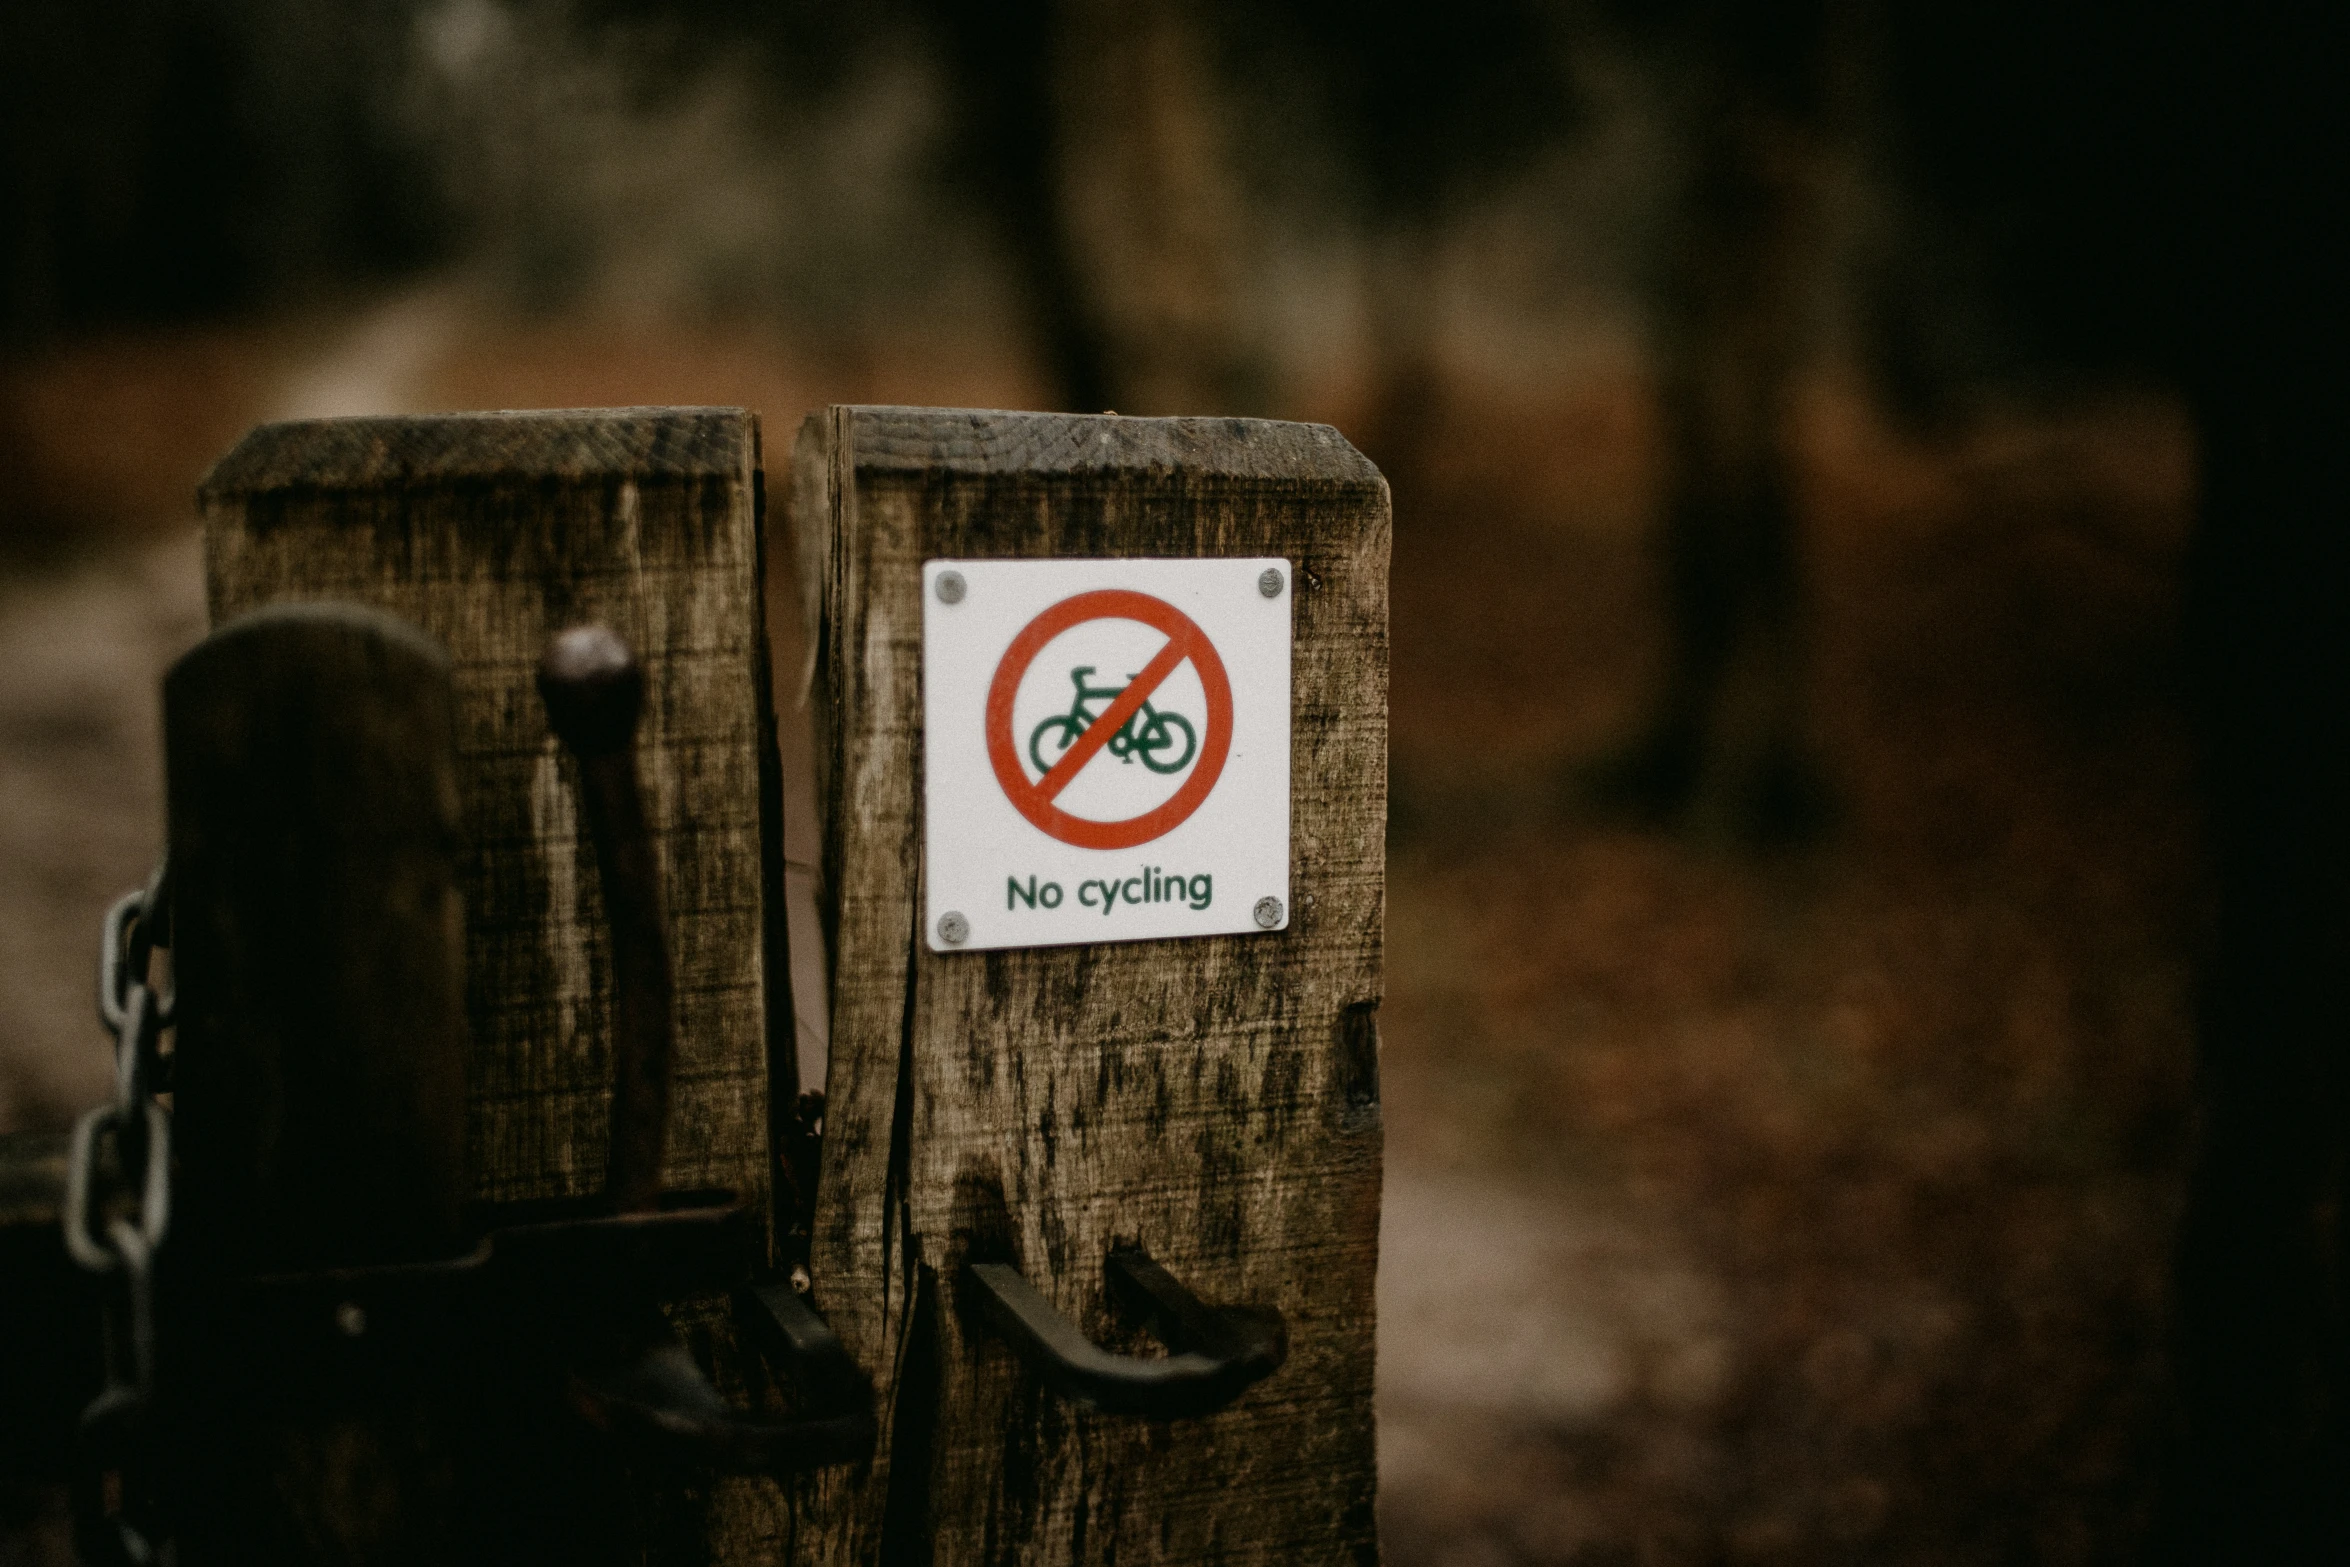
x: 587, y: 1282
x: 646, y: 1384
x: 576, y: 1283
x: 656, y: 1395
x: 1217, y: 1351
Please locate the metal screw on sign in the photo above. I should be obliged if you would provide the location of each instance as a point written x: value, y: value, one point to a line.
x: 1269, y: 582
x: 951, y: 587
x: 953, y: 929
x: 1268, y: 912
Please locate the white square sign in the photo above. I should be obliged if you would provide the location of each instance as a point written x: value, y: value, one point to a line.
x: 1105, y: 750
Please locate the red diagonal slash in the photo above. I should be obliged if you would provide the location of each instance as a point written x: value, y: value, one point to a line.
x: 1185, y: 641
x: 1100, y: 732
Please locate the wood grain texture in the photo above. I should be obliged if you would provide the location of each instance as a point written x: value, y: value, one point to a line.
x: 492, y: 532
x: 1214, y: 1100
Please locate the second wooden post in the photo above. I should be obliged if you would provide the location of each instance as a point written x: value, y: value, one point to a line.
x: 1024, y: 1117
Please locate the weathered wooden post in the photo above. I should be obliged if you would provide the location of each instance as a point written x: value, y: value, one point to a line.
x: 1009, y: 1119
x: 318, y: 1081
x: 492, y: 533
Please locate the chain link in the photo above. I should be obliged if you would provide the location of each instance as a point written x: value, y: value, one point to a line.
x: 115, y: 1234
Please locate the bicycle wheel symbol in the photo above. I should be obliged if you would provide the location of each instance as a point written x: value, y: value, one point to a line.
x: 1145, y: 736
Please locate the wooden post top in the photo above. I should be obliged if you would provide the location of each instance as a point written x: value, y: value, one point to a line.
x: 553, y: 444
x: 979, y: 441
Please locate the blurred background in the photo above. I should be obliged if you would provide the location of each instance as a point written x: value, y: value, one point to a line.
x: 1799, y: 417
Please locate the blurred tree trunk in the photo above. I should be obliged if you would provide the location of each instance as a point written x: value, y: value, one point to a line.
x: 1096, y: 132
x: 1726, y: 743
x: 1155, y: 217
x: 1000, y: 60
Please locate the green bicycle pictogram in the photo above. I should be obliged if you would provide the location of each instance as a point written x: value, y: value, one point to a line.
x: 1143, y: 737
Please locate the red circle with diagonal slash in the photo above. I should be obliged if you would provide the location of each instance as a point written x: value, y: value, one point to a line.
x: 1185, y: 641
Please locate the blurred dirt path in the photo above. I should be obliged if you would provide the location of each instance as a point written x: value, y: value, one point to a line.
x: 1518, y: 1320
x: 81, y: 649
x: 379, y: 365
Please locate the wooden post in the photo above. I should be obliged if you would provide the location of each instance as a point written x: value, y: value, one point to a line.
x: 1214, y: 1099
x: 493, y: 532
x: 320, y: 1091
x: 319, y: 1082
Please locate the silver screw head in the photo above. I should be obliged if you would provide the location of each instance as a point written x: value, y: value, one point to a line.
x: 1268, y: 912
x: 1269, y: 582
x: 953, y: 929
x: 351, y: 1319
x: 951, y: 587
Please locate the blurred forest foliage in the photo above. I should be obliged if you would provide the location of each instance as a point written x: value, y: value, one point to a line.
x: 1159, y: 205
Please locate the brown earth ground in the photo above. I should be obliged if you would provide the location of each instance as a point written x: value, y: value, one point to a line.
x: 1807, y: 1207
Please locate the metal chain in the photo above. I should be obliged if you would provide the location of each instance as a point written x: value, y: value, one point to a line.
x: 115, y: 1234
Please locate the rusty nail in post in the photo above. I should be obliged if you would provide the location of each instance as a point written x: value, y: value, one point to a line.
x: 1269, y: 582
x: 951, y: 587
x: 1268, y: 912
x: 953, y: 929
